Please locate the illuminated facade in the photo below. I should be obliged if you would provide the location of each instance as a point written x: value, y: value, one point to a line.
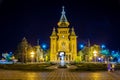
x: 63, y: 39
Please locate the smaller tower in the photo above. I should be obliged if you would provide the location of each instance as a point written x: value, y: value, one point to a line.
x: 73, y: 44
x: 53, y: 45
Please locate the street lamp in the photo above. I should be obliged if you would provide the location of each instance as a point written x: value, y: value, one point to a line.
x: 32, y: 56
x: 95, y: 54
x: 44, y: 46
x: 81, y: 46
x: 103, y: 46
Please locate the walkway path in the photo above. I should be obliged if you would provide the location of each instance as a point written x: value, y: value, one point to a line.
x: 58, y: 74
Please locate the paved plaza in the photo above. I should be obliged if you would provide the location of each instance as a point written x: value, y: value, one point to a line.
x: 58, y: 74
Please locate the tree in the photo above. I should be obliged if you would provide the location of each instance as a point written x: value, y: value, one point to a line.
x: 106, y: 54
x: 29, y: 50
x: 80, y: 56
x: 86, y: 54
x: 21, y: 52
x: 47, y: 56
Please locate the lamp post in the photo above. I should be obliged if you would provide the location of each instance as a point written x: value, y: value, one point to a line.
x: 95, y: 54
x: 44, y: 47
x: 32, y: 56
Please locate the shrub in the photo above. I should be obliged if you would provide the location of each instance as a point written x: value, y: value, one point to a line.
x: 91, y: 67
x: 28, y: 67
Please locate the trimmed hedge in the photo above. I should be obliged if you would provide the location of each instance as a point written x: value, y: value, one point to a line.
x: 25, y: 67
x: 93, y: 67
x: 117, y: 67
x: 59, y: 66
x: 90, y: 67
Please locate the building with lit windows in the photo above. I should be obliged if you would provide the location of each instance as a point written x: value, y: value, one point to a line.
x: 63, y: 39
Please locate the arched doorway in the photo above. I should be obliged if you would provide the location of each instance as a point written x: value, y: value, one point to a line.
x: 61, y: 55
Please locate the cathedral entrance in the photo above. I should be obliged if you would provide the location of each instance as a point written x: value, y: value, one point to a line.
x: 61, y: 55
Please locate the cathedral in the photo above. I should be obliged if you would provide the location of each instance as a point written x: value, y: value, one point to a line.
x: 63, y: 39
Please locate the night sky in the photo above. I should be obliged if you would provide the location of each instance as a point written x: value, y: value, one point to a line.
x: 96, y: 20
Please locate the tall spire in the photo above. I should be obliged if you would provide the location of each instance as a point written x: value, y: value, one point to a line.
x: 88, y: 42
x: 38, y: 42
x: 63, y: 22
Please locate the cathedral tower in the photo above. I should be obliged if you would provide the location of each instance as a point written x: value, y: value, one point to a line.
x: 63, y: 39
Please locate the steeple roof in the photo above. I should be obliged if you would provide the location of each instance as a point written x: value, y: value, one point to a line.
x: 63, y: 22
x: 53, y: 32
x: 73, y: 32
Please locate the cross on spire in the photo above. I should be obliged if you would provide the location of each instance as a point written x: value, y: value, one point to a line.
x: 63, y: 11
